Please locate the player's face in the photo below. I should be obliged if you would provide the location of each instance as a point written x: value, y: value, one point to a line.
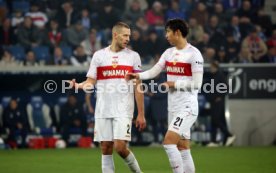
x: 122, y: 37
x: 171, y: 36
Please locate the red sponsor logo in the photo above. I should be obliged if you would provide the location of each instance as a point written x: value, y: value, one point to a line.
x: 178, y: 69
x: 111, y: 72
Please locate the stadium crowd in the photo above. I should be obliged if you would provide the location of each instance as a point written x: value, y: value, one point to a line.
x: 60, y: 33
x: 69, y: 32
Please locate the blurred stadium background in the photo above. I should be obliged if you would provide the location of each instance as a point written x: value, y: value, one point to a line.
x: 55, y: 40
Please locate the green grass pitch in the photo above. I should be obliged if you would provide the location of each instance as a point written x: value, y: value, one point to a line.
x: 152, y: 160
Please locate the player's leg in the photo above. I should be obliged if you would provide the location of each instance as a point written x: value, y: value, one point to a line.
x: 103, y: 134
x: 122, y: 134
x: 170, y: 142
x: 188, y: 163
x: 184, y: 144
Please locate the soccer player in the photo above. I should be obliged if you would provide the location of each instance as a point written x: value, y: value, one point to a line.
x: 184, y: 66
x: 114, y: 108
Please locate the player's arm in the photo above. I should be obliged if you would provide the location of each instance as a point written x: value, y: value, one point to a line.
x: 139, y: 97
x: 186, y: 85
x: 149, y: 74
x: 89, y: 83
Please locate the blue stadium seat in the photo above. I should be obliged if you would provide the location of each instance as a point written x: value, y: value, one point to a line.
x: 61, y: 101
x: 39, y: 116
x: 23, y: 6
x: 42, y: 53
x: 5, y: 101
x: 18, y: 52
x: 67, y: 51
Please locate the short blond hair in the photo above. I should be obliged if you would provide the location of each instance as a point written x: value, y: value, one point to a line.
x: 118, y: 26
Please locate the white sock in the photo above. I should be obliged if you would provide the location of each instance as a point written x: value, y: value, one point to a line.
x: 174, y: 158
x: 132, y: 163
x: 188, y: 163
x: 107, y: 164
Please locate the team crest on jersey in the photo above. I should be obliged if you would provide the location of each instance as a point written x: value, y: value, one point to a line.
x: 114, y: 61
x: 174, y: 62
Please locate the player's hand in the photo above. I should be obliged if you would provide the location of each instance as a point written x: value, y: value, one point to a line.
x: 72, y: 83
x: 140, y: 122
x: 130, y: 76
x: 168, y: 84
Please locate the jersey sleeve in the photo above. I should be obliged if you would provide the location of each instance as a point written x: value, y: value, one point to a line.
x: 137, y: 66
x: 162, y: 60
x: 92, y: 72
x: 197, y: 62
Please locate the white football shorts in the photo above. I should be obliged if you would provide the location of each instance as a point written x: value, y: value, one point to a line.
x: 181, y: 123
x: 109, y: 129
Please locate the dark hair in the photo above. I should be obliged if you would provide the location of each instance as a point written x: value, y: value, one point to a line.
x: 178, y: 24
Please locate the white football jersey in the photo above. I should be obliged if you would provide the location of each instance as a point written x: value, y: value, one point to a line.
x: 115, y: 98
x: 180, y: 65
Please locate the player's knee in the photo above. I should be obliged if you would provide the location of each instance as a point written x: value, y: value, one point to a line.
x: 171, y: 138
x: 183, y: 145
x: 120, y: 149
x: 107, y: 148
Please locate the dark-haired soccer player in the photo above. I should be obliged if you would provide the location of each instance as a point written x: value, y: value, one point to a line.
x: 184, y: 66
x: 114, y: 110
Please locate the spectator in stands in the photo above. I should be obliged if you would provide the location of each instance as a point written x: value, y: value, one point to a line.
x: 231, y: 5
x: 232, y: 47
x: 256, y: 45
x: 28, y: 35
x: 260, y: 32
x: 109, y: 16
x: 143, y: 4
x: 154, y: 44
x: 15, y: 121
x: 217, y: 102
x: 271, y: 55
x: 76, y: 34
x: 67, y: 16
x: 215, y: 32
x: 58, y: 59
x: 137, y: 44
x: 221, y: 55
x: 264, y: 21
x: 54, y: 34
x: 72, y: 118
x: 142, y: 25
x: 245, y: 26
x: 271, y: 42
x: 204, y: 44
x: 155, y: 15
x: 187, y: 6
x: 245, y: 56
x: 92, y: 43
x: 195, y: 32
x: 222, y: 15
x: 201, y: 14
x: 39, y: 18
x: 246, y: 11
x: 17, y: 19
x: 234, y: 28
x: 30, y: 59
x: 86, y: 19
x: 79, y: 58
x: 133, y: 13
x: 8, y: 59
x: 209, y: 55
x: 175, y: 12
x: 7, y: 35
